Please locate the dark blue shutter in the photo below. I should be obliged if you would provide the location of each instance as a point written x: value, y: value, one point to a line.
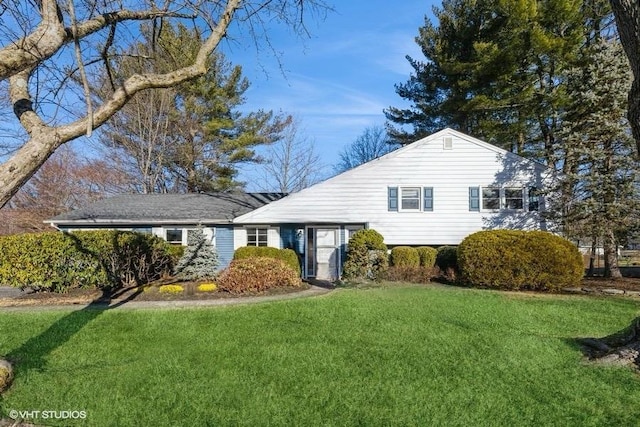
x: 427, y: 193
x: 393, y: 199
x: 474, y: 199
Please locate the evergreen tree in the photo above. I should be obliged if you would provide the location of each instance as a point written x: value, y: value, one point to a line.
x: 200, y: 259
x: 597, y: 138
x: 193, y: 137
x: 492, y: 69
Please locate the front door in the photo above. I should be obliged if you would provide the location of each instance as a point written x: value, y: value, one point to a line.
x: 325, y: 247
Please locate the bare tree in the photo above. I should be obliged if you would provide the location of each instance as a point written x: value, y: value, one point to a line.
x: 627, y: 13
x: 65, y: 181
x: 48, y: 46
x: 292, y: 163
x: 371, y: 144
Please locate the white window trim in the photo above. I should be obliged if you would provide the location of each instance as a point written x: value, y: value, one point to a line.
x: 257, y: 227
x: 175, y: 242
x: 523, y: 198
x: 209, y: 233
x: 503, y: 200
x: 400, y: 188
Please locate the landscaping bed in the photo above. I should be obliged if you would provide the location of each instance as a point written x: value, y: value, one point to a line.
x: 133, y: 293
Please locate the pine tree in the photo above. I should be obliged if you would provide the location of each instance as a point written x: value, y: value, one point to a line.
x: 200, y: 259
x: 597, y: 139
x: 492, y: 69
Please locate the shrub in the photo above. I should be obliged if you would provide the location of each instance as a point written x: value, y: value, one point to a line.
x: 207, y: 287
x: 447, y: 258
x: 104, y: 259
x: 366, y: 256
x: 511, y: 259
x: 175, y: 252
x: 286, y: 255
x: 257, y: 274
x: 410, y: 274
x: 171, y: 289
x: 200, y: 259
x: 427, y: 256
x: 405, y: 256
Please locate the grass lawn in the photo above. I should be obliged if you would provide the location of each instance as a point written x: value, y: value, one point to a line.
x: 403, y: 355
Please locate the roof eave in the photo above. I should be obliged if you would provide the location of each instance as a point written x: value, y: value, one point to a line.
x: 103, y: 221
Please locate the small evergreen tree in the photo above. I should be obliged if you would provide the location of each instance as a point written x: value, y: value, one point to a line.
x: 200, y: 259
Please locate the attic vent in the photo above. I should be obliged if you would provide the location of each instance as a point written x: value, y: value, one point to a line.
x: 448, y: 143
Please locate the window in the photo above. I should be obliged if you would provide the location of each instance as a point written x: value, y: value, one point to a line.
x: 513, y: 198
x: 410, y: 198
x: 257, y: 236
x: 491, y: 198
x: 174, y: 236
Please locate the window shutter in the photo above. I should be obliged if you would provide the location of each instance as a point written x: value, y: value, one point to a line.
x: 428, y: 198
x: 393, y: 199
x: 474, y: 199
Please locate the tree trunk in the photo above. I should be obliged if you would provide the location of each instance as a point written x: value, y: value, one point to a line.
x: 621, y: 348
x: 592, y: 257
x: 627, y: 13
x: 610, y: 247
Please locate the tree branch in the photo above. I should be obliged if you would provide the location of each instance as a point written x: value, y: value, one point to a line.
x: 50, y: 35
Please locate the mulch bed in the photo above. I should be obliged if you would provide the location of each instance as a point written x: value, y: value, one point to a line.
x: 88, y: 296
x: 626, y: 286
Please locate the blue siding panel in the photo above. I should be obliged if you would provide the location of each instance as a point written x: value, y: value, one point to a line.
x: 224, y: 245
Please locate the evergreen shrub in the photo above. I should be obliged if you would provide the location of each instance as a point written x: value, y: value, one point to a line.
x: 447, y: 258
x: 514, y: 259
x: 366, y: 256
x: 427, y: 256
x: 257, y: 274
x: 104, y: 259
x: 286, y: 255
x: 404, y: 256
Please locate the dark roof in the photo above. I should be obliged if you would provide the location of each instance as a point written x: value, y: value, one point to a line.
x: 168, y: 208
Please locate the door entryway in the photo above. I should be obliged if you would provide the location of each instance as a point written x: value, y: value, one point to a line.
x: 322, y: 257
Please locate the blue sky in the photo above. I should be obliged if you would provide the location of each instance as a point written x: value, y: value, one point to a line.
x: 338, y: 81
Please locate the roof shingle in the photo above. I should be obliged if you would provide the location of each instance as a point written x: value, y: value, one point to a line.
x: 166, y: 208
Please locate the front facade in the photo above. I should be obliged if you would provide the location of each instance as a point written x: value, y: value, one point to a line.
x: 435, y: 191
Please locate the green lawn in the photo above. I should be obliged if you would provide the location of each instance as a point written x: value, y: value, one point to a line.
x: 403, y: 355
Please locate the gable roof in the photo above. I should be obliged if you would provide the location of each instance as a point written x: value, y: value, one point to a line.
x: 193, y: 208
x: 265, y: 213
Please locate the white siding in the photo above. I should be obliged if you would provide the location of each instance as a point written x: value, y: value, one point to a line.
x: 239, y: 238
x: 360, y: 195
x: 273, y: 237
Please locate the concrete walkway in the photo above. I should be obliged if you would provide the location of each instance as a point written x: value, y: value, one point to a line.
x: 133, y: 304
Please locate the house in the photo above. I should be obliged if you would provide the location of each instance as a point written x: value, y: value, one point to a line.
x: 435, y: 191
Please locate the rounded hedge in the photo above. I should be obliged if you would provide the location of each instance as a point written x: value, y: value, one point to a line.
x: 513, y: 259
x: 257, y: 274
x: 427, y: 256
x: 404, y: 256
x: 286, y: 255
